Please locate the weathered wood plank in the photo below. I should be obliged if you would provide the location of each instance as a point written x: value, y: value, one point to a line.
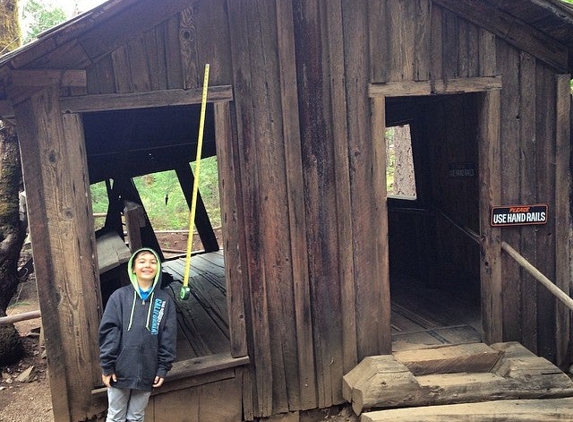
x: 121, y: 70
x: 215, y: 401
x: 477, y: 357
x: 379, y: 44
x: 510, y: 139
x: 383, y: 382
x: 380, y: 219
x: 339, y: 123
x: 62, y: 228
x: 451, y: 86
x: 138, y: 64
x: 451, y: 46
x: 511, y: 29
x: 233, y: 241
x: 563, y: 124
x: 490, y: 175
x: 487, y: 61
x: 436, y: 43
x: 154, y: 44
x: 526, y: 175
x: 365, y: 185
x: 121, y: 27
x: 546, y: 182
x: 257, y: 305
x: 296, y: 213
x: 422, y: 28
x: 111, y: 251
x: 173, y: 60
x: 161, y: 98
x: 456, y: 334
x: 542, y: 410
x: 47, y: 77
x: 189, y: 48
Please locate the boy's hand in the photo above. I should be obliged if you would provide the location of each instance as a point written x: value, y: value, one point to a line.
x: 107, y: 379
x: 158, y: 382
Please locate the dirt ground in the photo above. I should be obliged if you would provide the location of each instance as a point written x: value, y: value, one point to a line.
x: 32, y: 402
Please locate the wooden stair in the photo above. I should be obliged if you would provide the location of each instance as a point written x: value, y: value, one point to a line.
x: 463, y: 382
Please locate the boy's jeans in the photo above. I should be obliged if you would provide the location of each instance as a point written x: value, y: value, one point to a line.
x: 126, y: 405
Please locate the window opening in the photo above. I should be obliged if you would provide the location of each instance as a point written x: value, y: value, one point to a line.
x: 400, y: 173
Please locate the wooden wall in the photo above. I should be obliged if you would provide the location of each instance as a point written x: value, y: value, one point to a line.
x: 309, y: 168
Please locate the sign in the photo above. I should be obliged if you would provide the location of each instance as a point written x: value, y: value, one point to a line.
x: 518, y: 215
x: 461, y: 170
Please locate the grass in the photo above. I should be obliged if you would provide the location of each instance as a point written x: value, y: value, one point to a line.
x: 164, y: 200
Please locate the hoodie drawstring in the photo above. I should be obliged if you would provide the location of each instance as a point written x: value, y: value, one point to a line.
x: 133, y: 311
x: 149, y: 311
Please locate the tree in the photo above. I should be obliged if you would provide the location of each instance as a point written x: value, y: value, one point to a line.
x: 39, y: 17
x: 12, y: 228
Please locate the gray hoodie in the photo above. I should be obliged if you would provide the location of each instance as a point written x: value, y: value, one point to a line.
x: 138, y: 337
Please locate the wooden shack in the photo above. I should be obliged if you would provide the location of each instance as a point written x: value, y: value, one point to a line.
x: 316, y: 253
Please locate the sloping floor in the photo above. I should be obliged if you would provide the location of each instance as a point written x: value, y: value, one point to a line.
x: 425, y: 316
x: 421, y: 316
x: 203, y: 318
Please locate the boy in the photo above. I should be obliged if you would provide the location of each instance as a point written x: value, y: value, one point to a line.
x: 137, y: 337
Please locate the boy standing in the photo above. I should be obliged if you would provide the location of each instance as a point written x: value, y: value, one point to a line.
x: 137, y: 337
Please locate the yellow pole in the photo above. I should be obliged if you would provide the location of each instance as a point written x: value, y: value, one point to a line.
x: 185, y: 291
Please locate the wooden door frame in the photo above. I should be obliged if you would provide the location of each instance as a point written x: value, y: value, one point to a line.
x: 489, y: 127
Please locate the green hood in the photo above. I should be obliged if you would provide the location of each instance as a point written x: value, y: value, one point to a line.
x: 133, y: 277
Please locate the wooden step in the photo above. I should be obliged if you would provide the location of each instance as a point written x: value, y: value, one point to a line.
x: 533, y: 410
x: 477, y: 357
x: 386, y: 382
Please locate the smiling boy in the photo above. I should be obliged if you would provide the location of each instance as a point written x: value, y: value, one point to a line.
x: 137, y: 337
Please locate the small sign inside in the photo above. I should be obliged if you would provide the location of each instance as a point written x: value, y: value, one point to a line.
x: 461, y: 170
x: 519, y: 215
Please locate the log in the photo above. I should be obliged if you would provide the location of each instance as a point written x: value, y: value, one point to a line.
x: 445, y: 359
x: 500, y: 411
x: 384, y: 382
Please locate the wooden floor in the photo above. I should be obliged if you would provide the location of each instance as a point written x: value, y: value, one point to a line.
x: 203, y: 318
x: 425, y: 316
x: 420, y: 315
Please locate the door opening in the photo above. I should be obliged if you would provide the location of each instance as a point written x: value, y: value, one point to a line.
x: 433, y: 219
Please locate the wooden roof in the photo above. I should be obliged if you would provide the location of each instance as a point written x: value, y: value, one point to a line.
x: 83, y: 40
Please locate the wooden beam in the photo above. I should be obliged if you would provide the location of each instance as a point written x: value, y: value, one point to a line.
x: 512, y: 30
x: 490, y: 176
x: 563, y: 231
x: 48, y: 77
x: 168, y: 97
x: 64, y: 243
x: 451, y: 86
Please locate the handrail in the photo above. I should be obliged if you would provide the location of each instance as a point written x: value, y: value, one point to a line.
x: 557, y: 292
x: 24, y: 316
x: 465, y: 230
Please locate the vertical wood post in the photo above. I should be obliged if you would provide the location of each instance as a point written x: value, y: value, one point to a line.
x: 381, y: 237
x: 490, y: 194
x: 563, y: 216
x: 64, y: 246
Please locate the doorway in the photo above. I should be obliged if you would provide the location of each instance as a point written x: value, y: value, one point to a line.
x: 432, y: 148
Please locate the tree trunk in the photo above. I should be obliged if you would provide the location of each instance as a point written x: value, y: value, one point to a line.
x: 12, y: 229
x: 12, y: 234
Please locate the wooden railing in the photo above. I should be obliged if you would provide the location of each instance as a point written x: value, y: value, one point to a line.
x: 556, y: 291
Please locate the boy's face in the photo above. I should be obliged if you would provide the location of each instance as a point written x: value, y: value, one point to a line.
x: 145, y: 267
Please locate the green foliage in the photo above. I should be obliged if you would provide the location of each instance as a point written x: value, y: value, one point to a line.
x: 40, y: 16
x: 164, y: 200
